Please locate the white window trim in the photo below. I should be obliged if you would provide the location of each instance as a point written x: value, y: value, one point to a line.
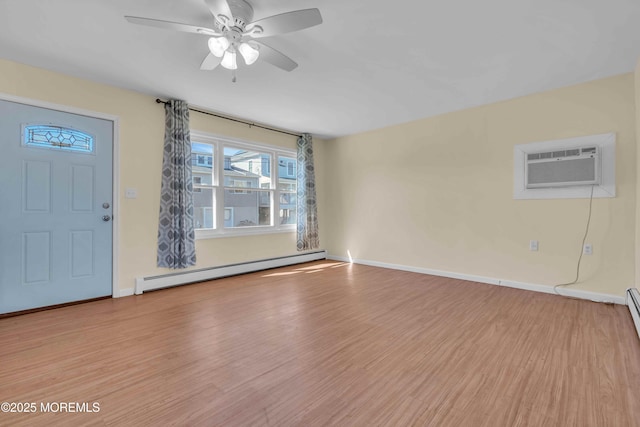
x: 607, y: 188
x: 219, y: 142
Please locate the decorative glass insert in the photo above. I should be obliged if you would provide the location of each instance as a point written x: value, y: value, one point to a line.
x: 57, y: 137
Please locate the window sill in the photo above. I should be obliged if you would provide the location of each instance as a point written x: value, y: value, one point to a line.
x: 202, y: 234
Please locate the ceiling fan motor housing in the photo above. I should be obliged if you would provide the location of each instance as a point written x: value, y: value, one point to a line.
x: 234, y: 31
x: 242, y: 13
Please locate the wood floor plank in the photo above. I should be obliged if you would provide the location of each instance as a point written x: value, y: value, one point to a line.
x: 327, y: 343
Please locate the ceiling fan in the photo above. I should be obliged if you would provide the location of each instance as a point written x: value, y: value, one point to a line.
x: 235, y: 31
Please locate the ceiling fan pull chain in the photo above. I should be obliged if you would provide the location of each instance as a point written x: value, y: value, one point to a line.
x: 233, y: 76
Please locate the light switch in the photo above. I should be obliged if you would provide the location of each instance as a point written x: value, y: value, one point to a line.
x: 131, y: 193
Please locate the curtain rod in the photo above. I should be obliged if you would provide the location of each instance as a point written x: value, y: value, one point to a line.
x: 160, y: 101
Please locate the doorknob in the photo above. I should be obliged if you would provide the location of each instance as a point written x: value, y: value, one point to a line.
x: 106, y: 218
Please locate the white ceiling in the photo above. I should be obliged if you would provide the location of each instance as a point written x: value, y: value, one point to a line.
x: 370, y: 64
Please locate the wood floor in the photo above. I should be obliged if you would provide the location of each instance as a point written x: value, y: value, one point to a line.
x: 326, y: 343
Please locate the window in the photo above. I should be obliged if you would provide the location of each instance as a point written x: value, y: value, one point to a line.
x: 58, y: 138
x: 287, y: 185
x: 203, y: 188
x: 202, y: 160
x: 240, y: 183
x: 235, y: 191
x: 197, y: 180
x: 250, y: 208
x: 265, y: 166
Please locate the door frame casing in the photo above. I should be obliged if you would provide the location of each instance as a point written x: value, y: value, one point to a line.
x: 115, y: 168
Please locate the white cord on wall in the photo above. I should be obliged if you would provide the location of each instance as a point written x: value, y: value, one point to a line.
x: 584, y: 239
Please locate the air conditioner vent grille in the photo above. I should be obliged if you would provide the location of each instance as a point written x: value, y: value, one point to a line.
x: 565, y: 168
x: 561, y: 168
x: 561, y: 154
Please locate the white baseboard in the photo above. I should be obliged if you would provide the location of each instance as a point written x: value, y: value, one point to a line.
x: 158, y: 282
x: 575, y: 293
x: 633, y: 302
x: 125, y: 292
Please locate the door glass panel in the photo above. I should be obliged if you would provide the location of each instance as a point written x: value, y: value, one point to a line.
x: 57, y: 137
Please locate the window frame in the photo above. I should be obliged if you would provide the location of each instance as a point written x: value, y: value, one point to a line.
x: 219, y: 143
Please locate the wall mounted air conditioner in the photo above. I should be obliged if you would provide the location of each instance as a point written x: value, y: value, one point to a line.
x: 563, y: 168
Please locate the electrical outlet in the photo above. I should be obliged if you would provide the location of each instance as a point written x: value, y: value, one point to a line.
x: 588, y: 249
x: 533, y: 245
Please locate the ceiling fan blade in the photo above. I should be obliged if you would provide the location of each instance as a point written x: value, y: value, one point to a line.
x: 210, y: 62
x: 276, y: 58
x: 219, y: 7
x: 168, y: 25
x: 286, y: 22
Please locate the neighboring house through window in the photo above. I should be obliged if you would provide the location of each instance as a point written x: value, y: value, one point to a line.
x: 223, y: 172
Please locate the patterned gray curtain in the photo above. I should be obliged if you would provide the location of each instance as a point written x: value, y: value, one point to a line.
x: 176, y: 236
x: 307, y: 208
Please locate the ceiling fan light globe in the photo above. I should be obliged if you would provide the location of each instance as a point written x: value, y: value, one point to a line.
x: 218, y: 45
x: 229, y: 60
x: 249, y: 53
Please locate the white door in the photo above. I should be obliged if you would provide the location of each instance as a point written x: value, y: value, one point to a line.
x: 55, y: 207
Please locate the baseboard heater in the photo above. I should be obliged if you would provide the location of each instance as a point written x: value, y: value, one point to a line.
x: 168, y: 280
x: 633, y: 301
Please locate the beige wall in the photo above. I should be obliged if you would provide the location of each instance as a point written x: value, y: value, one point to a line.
x: 437, y: 193
x: 434, y: 193
x: 140, y: 160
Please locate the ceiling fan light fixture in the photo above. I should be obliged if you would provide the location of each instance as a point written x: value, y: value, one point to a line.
x: 249, y: 53
x: 234, y: 30
x: 229, y: 60
x: 218, y: 45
